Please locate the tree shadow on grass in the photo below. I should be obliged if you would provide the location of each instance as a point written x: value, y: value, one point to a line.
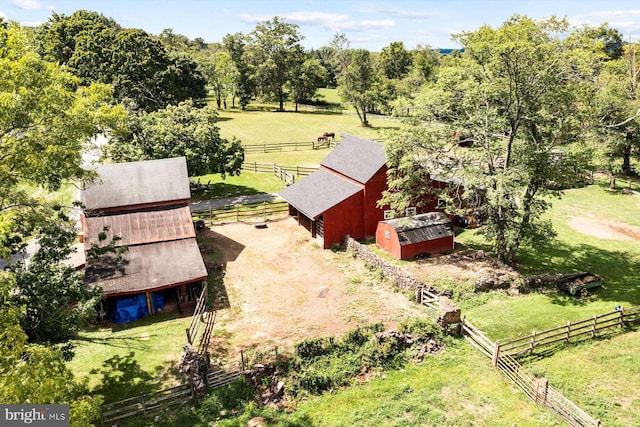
x: 619, y: 269
x: 123, y: 377
x: 222, y: 190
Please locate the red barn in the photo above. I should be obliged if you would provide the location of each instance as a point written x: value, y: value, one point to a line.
x: 341, y: 198
x: 405, y: 238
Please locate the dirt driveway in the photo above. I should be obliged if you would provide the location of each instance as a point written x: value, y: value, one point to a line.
x: 282, y: 288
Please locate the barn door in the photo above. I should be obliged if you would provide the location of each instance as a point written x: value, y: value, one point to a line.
x: 320, y: 230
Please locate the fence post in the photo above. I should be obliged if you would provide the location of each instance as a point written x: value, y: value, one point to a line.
x: 188, y: 336
x: 144, y: 407
x: 496, y: 354
x: 242, y: 359
x: 593, y: 326
x: 542, y: 388
x: 255, y: 167
x: 533, y: 341
x: 237, y: 213
x: 621, y: 316
x: 568, y: 334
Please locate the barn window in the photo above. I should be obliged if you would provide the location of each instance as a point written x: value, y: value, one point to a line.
x: 411, y: 211
x: 442, y: 203
x: 389, y: 214
x: 387, y: 235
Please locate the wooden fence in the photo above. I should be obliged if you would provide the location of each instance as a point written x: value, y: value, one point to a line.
x: 148, y: 404
x: 285, y: 146
x: 201, y: 307
x: 537, y: 389
x: 598, y: 325
x: 262, y: 211
x: 297, y: 171
x: 430, y: 299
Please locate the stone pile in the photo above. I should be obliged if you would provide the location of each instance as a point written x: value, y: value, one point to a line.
x: 194, y: 366
x: 265, y: 381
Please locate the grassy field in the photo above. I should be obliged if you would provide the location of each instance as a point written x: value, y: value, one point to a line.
x: 455, y: 388
x: 617, y: 261
x: 259, y: 127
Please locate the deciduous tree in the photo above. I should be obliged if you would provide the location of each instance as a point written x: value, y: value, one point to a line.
x: 517, y: 94
x: 276, y: 54
x: 179, y: 130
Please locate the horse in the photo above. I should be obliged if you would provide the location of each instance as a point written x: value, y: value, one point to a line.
x: 328, y: 135
x: 323, y: 138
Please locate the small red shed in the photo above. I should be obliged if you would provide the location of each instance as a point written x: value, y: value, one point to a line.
x: 404, y: 238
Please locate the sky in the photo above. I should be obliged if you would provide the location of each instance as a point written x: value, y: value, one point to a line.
x: 368, y: 24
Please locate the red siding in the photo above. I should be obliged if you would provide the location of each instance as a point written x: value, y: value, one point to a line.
x: 342, y: 219
x: 392, y: 244
x: 372, y: 193
x: 431, y: 246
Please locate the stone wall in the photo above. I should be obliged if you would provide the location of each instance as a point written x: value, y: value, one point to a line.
x: 394, y: 273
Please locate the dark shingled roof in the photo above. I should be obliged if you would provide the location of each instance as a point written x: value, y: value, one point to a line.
x: 318, y: 192
x: 421, y: 228
x: 356, y: 158
x: 148, y: 267
x: 136, y: 183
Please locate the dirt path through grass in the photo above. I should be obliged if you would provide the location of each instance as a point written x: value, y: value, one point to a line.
x: 282, y: 288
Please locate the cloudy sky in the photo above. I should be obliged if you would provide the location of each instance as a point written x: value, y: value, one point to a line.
x: 369, y: 24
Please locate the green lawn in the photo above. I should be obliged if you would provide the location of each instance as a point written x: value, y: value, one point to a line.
x: 617, y: 261
x: 131, y: 359
x: 600, y: 377
x: 455, y: 388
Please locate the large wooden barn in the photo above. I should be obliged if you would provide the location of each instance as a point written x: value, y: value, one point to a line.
x: 146, y: 204
x: 341, y: 197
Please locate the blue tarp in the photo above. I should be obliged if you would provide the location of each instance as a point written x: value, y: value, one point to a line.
x: 129, y: 308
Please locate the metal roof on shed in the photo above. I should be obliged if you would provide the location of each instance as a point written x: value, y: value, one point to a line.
x: 137, y: 183
x: 148, y: 267
x: 357, y: 158
x: 136, y: 228
x: 421, y: 228
x: 318, y: 192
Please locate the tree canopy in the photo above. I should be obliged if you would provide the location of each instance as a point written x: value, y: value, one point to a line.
x: 179, y: 130
x: 45, y: 116
x: 518, y: 95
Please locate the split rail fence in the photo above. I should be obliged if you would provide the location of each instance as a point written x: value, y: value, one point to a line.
x: 149, y: 404
x: 537, y: 389
x: 598, y: 325
x: 286, y: 146
x: 235, y: 213
x: 287, y: 174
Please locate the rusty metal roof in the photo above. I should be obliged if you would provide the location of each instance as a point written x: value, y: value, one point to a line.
x: 148, y: 267
x: 137, y: 228
x: 137, y: 183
